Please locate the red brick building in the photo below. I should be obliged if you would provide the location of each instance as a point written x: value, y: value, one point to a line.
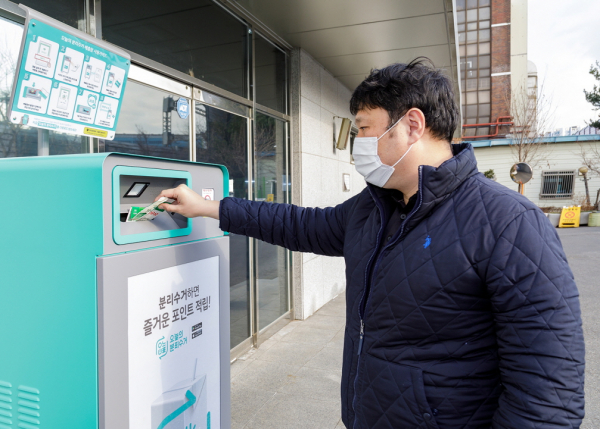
x: 492, y: 38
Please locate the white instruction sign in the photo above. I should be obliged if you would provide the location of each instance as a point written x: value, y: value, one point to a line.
x: 174, y: 370
x: 67, y: 81
x: 208, y: 194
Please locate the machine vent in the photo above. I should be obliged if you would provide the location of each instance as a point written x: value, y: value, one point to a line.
x: 29, y: 408
x: 6, y: 414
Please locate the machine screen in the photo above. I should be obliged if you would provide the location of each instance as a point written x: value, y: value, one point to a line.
x: 136, y: 190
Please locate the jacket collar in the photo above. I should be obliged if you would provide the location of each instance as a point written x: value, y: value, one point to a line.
x: 437, y: 184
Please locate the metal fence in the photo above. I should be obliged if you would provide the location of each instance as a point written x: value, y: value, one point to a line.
x: 558, y: 184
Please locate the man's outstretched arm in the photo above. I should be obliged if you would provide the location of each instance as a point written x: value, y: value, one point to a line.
x: 301, y: 229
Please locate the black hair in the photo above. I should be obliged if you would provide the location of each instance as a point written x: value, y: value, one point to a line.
x: 400, y: 87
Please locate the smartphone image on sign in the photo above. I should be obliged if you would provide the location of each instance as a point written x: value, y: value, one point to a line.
x: 109, y: 114
x: 42, y: 58
x: 63, y: 99
x: 66, y: 64
x: 44, y: 49
x: 110, y: 80
x: 88, y: 71
x: 97, y: 75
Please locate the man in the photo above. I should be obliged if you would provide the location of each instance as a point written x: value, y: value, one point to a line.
x: 461, y: 309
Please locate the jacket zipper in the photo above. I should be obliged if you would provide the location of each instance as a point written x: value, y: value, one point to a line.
x: 362, y: 310
x: 360, y: 313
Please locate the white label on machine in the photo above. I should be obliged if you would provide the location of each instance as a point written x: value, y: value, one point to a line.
x: 208, y: 194
x: 174, y: 370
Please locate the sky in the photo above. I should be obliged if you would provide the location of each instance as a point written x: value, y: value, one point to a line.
x: 563, y: 42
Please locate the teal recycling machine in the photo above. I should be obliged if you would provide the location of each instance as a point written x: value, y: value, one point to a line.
x: 107, y: 323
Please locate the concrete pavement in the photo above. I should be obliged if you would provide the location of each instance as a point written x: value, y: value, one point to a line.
x: 582, y: 246
x: 292, y: 380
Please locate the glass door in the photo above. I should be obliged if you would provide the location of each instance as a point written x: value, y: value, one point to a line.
x: 271, y: 185
x: 222, y: 138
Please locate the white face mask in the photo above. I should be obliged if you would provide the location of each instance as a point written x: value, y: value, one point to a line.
x: 367, y: 161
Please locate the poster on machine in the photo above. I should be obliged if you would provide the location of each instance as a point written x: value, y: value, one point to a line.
x: 66, y: 80
x: 174, y: 370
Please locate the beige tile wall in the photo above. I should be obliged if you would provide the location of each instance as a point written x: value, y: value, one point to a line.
x: 317, y: 96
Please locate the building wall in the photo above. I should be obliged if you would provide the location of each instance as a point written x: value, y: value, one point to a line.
x: 317, y: 170
x: 518, y: 44
x: 556, y: 156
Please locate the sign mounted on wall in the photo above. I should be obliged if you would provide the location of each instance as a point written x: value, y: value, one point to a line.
x: 66, y: 80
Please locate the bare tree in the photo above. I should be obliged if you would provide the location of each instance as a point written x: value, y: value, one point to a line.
x: 9, y: 132
x: 590, y: 157
x: 532, y: 112
x: 142, y: 140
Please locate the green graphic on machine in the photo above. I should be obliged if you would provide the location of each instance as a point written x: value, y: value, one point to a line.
x: 137, y: 214
x: 67, y: 81
x: 183, y: 405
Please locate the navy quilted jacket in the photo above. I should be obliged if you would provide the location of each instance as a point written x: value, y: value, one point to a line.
x: 467, y: 318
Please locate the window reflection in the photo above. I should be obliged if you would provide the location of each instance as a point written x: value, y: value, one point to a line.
x: 272, y: 185
x: 196, y: 37
x: 71, y: 12
x: 65, y: 144
x: 222, y: 138
x: 149, y: 125
x: 270, y: 75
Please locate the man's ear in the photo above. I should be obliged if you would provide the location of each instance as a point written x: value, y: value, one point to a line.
x: 416, y: 123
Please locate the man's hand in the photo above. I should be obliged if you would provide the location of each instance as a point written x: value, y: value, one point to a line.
x: 188, y: 203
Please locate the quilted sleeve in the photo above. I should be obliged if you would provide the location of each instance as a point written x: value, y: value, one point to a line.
x: 538, y: 324
x: 315, y: 230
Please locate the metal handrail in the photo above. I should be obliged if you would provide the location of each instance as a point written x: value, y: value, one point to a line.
x: 496, y: 124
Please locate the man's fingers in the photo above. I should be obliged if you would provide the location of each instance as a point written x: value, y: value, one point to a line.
x: 175, y: 208
x: 169, y: 193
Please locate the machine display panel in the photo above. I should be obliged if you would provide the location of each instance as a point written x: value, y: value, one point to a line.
x: 136, y: 190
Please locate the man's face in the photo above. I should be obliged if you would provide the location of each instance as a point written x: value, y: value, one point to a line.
x: 374, y: 123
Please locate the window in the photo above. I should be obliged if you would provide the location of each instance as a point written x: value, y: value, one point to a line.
x: 71, y: 12
x: 484, y: 62
x: 472, y: 15
x: 198, y: 38
x: 270, y: 75
x: 558, y: 184
x: 271, y: 185
x: 484, y: 35
x: 484, y: 83
x: 484, y: 96
x: 484, y: 13
x: 151, y: 128
x: 484, y: 48
x: 222, y: 138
